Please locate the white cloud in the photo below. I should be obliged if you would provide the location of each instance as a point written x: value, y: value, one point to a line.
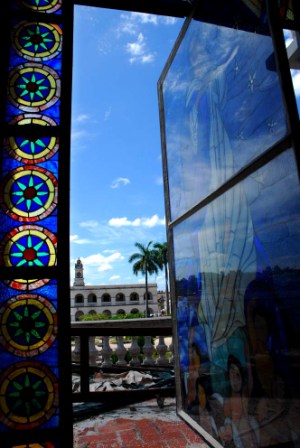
x: 138, y: 222
x: 120, y: 181
x: 159, y: 181
x: 152, y: 19
x: 147, y: 18
x: 132, y: 23
x: 89, y: 224
x: 102, y: 262
x: 168, y: 20
x: 147, y: 58
x: 76, y: 240
x: 81, y: 118
x: 76, y: 135
x: 73, y: 237
x: 114, y: 277
x: 138, y: 51
x: 107, y: 114
x: 128, y: 25
x: 136, y: 48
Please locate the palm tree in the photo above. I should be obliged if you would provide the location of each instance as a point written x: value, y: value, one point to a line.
x: 145, y: 262
x: 162, y: 260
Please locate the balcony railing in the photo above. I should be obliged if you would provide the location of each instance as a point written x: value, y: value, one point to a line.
x: 88, y: 357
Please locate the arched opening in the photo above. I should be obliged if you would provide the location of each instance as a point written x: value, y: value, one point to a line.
x: 92, y: 298
x: 106, y: 298
x: 107, y: 313
x: 134, y: 297
x: 134, y: 311
x: 122, y: 312
x: 150, y: 297
x: 78, y: 314
x: 79, y: 299
x: 120, y: 297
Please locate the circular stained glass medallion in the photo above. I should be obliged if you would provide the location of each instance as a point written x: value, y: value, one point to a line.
x: 29, y: 245
x: 37, y: 41
x: 31, y: 149
x: 33, y: 87
x: 28, y: 395
x: 29, y: 193
x: 21, y: 284
x: 33, y: 120
x: 35, y: 445
x: 42, y: 5
x: 28, y: 325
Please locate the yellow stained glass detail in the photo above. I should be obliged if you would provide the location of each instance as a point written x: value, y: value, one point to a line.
x: 37, y: 41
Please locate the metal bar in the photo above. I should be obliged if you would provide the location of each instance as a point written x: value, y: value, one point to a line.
x: 285, y: 77
x: 84, y: 363
x: 122, y: 395
x: 253, y: 166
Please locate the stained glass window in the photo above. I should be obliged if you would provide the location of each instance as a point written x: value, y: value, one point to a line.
x: 30, y: 395
x: 234, y: 217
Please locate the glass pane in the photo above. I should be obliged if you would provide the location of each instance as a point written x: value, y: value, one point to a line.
x: 238, y: 311
x: 40, y: 6
x: 29, y: 370
x: 223, y: 107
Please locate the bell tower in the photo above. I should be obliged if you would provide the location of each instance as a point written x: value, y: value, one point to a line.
x: 78, y: 280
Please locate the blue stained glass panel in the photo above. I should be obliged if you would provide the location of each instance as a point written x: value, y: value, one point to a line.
x: 35, y: 81
x: 40, y: 6
x: 238, y: 277
x: 29, y: 329
x: 222, y: 107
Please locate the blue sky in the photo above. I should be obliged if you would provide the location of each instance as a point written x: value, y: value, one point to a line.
x: 116, y: 168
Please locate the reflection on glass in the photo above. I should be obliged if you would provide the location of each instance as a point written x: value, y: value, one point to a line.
x: 238, y: 272
x: 223, y: 107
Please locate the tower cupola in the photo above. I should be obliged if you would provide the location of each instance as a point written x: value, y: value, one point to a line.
x: 78, y: 280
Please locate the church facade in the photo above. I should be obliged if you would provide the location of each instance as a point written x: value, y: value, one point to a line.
x: 109, y: 299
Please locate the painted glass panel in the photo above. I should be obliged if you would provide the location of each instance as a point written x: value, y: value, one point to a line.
x: 223, y: 107
x: 238, y: 312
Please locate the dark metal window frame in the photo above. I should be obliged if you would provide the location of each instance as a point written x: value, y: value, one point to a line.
x: 292, y: 140
x: 61, y: 271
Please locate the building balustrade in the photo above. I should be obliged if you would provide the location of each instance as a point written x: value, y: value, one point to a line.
x: 100, y: 345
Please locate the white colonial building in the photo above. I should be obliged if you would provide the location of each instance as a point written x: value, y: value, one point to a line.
x: 109, y: 299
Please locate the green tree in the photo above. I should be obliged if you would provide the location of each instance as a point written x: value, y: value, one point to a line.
x: 145, y: 261
x: 162, y: 260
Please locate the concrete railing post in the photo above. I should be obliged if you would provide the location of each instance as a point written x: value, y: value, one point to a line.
x: 93, y: 352
x: 134, y: 351
x: 161, y: 350
x: 76, y: 351
x: 121, y: 352
x: 106, y: 352
x: 148, y: 350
